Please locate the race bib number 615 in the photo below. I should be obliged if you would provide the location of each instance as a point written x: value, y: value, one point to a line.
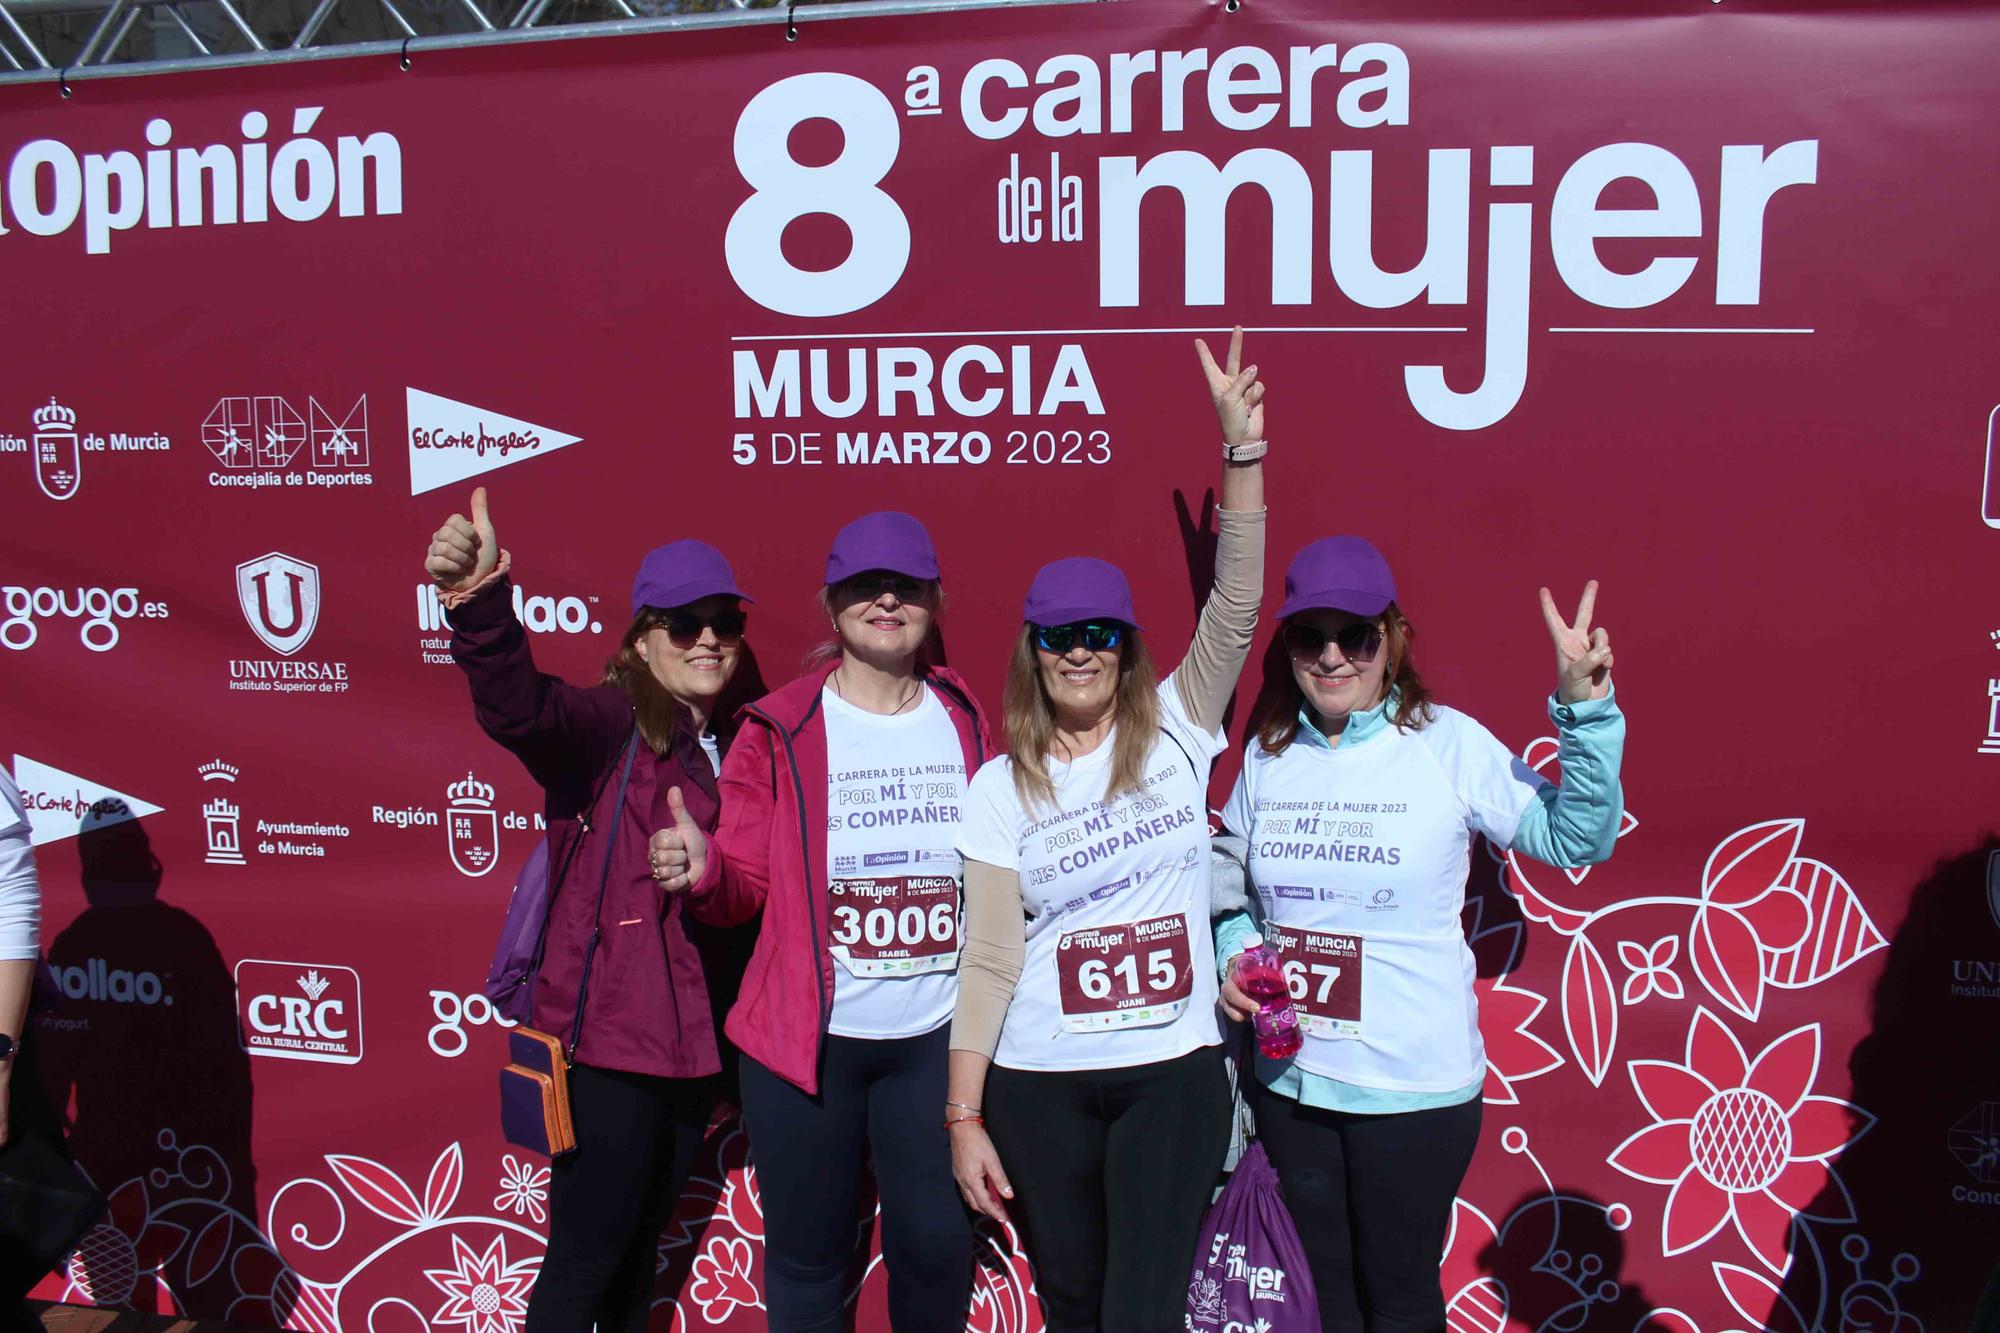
x: 1138, y: 974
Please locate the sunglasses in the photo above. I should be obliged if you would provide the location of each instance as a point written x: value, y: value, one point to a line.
x: 1358, y: 642
x: 868, y: 587
x: 1097, y: 635
x: 684, y: 627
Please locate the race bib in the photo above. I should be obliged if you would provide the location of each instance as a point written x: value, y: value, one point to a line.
x: 1323, y: 971
x: 1139, y: 974
x: 895, y: 925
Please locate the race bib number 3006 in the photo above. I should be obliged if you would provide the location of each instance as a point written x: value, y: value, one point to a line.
x: 1139, y: 974
x: 1323, y: 972
x: 895, y: 925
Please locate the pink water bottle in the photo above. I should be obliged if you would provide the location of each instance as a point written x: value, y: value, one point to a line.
x: 1259, y: 975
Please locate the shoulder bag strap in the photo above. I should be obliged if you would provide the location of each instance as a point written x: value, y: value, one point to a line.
x: 603, y: 881
x: 561, y: 873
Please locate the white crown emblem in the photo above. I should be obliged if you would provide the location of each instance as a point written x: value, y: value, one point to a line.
x: 314, y: 985
x: 217, y: 771
x: 55, y: 417
x: 470, y: 792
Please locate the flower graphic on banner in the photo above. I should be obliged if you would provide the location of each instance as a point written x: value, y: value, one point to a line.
x: 483, y: 1292
x: 524, y: 1190
x: 721, y: 1279
x: 1764, y: 916
x: 129, y: 1242
x: 1651, y: 969
x: 1739, y: 1140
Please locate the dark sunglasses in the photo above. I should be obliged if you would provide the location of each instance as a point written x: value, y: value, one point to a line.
x: 1097, y: 635
x: 1358, y: 642
x: 867, y: 587
x: 684, y: 627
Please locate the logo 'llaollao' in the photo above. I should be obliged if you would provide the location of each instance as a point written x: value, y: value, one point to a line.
x: 280, y: 599
x: 299, y: 1011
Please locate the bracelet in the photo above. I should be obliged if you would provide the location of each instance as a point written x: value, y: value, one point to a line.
x: 965, y: 1120
x: 963, y: 1107
x: 1247, y: 452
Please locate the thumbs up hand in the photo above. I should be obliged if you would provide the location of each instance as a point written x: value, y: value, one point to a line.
x: 463, y: 551
x: 678, y: 855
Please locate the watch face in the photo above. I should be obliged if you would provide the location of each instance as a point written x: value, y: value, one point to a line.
x: 6, y: 1046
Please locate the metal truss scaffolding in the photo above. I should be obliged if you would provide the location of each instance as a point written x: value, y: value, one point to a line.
x: 66, y: 41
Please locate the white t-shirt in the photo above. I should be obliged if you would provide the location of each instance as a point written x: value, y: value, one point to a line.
x: 1358, y: 856
x: 713, y: 749
x: 1120, y: 966
x: 895, y: 793
x: 20, y: 891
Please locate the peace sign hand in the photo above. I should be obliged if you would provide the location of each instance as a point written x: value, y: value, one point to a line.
x: 1583, y: 655
x: 1238, y: 396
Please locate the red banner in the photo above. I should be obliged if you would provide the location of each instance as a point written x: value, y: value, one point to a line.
x: 1691, y: 301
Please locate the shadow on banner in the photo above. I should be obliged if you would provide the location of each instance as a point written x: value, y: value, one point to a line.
x: 140, y: 1055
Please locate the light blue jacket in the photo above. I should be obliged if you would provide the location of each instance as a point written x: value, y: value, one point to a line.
x: 1571, y: 823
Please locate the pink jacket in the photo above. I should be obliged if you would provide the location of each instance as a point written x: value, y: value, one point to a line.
x: 770, y: 853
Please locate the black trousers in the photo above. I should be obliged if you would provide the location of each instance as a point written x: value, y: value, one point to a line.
x: 1112, y: 1170
x: 879, y: 1097
x: 638, y: 1138
x: 1371, y: 1196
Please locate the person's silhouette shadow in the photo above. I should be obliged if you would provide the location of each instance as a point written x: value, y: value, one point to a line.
x: 140, y: 1055
x: 1929, y: 1072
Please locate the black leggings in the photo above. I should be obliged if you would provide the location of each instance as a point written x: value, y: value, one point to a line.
x: 637, y: 1140
x: 1112, y: 1170
x: 884, y: 1097
x: 1371, y: 1196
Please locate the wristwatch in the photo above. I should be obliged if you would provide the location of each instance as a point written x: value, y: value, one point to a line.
x: 6, y: 1048
x: 1247, y: 452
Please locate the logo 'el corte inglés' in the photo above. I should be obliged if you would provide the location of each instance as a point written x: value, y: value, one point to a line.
x: 451, y: 441
x: 280, y: 598
x: 471, y: 827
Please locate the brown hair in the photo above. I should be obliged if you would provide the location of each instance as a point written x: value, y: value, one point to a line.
x: 1274, y: 719
x: 1030, y: 718
x: 655, y: 711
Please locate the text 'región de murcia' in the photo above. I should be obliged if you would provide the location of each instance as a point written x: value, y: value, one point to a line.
x: 1073, y: 99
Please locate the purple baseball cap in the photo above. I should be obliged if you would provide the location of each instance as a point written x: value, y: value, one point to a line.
x: 682, y: 572
x: 1341, y: 574
x: 1079, y: 588
x: 887, y: 539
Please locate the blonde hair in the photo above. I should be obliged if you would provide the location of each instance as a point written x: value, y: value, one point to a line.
x: 928, y: 657
x: 1030, y: 717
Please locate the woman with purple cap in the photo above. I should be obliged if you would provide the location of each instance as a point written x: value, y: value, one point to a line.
x: 1087, y: 1079
x: 1359, y: 799
x: 642, y: 1082
x: 841, y: 808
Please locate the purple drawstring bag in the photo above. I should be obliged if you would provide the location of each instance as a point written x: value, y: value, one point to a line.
x: 510, y: 981
x: 1250, y: 1273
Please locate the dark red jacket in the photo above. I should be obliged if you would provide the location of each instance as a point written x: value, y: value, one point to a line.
x: 770, y: 853
x: 648, y: 1006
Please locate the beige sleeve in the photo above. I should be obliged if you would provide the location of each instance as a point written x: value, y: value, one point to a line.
x: 1207, y: 675
x: 995, y: 945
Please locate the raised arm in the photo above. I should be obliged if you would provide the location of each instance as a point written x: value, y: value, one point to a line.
x: 541, y: 718
x: 1575, y: 822
x: 1207, y: 675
